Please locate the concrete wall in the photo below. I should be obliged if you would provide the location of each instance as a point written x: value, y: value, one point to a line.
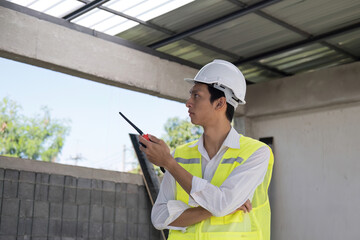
x: 41, y: 200
x: 316, y: 183
x: 314, y: 119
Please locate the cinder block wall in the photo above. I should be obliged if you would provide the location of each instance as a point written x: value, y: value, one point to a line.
x: 53, y: 205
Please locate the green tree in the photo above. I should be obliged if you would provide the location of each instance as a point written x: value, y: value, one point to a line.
x: 180, y: 131
x: 39, y: 137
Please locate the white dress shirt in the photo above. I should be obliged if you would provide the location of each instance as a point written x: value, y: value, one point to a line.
x: 220, y: 201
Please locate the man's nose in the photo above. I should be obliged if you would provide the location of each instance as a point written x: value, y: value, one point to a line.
x: 188, y: 103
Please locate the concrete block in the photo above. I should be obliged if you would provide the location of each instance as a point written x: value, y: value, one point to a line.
x: 96, y: 196
x: 12, y: 175
x: 155, y: 234
x: 54, y: 227
x: 41, y: 192
x: 109, y: 186
x: 143, y: 231
x: 10, y: 207
x: 132, y: 200
x: 41, y: 209
x: 95, y: 230
x: 69, y: 211
x: 132, y: 188
x: 1, y: 187
x: 83, y: 212
x: 68, y: 228
x: 132, y: 215
x: 8, y: 225
x: 120, y: 215
x: 144, y: 216
x: 96, y: 213
x: 132, y: 230
x: 10, y: 189
x: 7, y: 237
x: 56, y: 179
x: 26, y: 176
x: 40, y: 227
x: 55, y: 210
x: 108, y: 198
x: 83, y: 196
x: 108, y: 231
x: 120, y: 199
x: 84, y: 183
x: 82, y: 230
x: 69, y: 195
x: 55, y: 238
x: 56, y: 193
x: 109, y: 214
x: 2, y: 171
x: 26, y: 208
x: 42, y: 178
x: 120, y: 187
x: 120, y: 231
x: 96, y: 184
x: 144, y: 201
x: 70, y: 181
x: 24, y: 226
x: 26, y: 190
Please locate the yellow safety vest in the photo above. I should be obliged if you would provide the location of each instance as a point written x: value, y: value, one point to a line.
x: 250, y: 226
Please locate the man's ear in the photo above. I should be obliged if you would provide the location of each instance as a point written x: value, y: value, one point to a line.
x: 221, y: 102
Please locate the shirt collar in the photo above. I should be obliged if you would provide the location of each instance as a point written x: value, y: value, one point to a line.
x: 232, y: 140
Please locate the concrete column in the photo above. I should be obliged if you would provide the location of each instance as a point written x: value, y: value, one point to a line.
x: 243, y: 125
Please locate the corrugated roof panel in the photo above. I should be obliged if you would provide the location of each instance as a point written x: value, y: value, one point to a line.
x: 142, y: 35
x: 349, y: 42
x: 194, y: 14
x: 245, y: 35
x: 306, y: 59
x: 192, y: 52
x: 255, y: 74
x: 318, y: 16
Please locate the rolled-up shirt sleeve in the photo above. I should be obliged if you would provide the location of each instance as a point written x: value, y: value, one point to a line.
x: 236, y: 189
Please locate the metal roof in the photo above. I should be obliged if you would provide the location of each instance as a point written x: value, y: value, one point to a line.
x: 266, y: 39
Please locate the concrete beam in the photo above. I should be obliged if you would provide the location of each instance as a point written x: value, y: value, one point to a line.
x: 29, y: 39
x: 322, y: 88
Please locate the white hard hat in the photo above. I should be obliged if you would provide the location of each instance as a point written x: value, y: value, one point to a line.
x: 224, y: 76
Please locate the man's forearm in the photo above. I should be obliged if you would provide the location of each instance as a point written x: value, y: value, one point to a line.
x: 191, y: 216
x: 183, y: 177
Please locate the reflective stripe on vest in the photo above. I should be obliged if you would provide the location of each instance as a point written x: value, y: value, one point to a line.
x: 250, y: 226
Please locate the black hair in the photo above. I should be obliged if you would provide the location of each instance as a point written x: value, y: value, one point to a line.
x: 216, y: 94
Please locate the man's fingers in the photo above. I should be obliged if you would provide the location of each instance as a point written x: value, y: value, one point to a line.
x: 248, y: 205
x: 154, y: 139
x: 243, y: 208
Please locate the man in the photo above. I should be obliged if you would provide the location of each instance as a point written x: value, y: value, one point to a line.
x: 206, y: 189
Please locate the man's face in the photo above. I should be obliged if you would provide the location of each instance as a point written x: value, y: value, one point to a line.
x: 200, y: 108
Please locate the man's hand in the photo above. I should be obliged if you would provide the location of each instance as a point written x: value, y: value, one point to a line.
x: 156, y: 151
x: 246, y: 207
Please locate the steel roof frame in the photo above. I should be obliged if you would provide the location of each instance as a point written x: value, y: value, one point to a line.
x: 189, y: 39
x: 294, y: 29
x: 84, y: 9
x: 298, y: 44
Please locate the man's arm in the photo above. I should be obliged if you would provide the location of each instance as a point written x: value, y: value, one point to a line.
x: 194, y: 215
x: 219, y: 201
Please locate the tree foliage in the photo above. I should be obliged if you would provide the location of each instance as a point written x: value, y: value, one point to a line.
x: 39, y: 137
x: 180, y: 131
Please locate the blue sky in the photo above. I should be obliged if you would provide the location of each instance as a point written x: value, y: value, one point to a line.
x: 98, y: 132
